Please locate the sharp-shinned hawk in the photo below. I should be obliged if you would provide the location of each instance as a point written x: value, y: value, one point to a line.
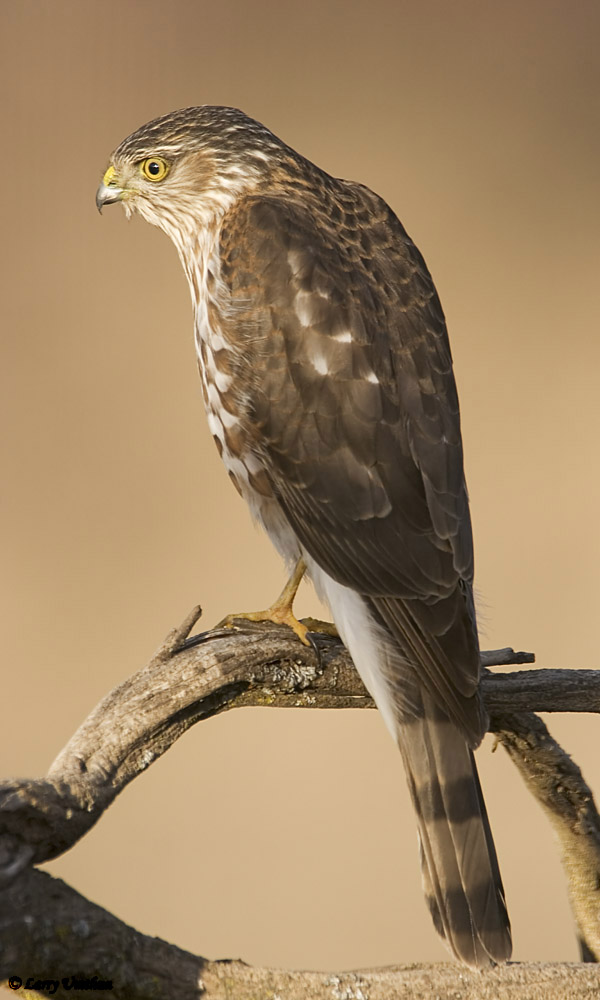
x: 328, y: 384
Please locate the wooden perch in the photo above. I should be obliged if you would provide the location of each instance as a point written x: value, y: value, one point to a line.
x: 559, y: 786
x: 262, y: 665
x: 139, y: 967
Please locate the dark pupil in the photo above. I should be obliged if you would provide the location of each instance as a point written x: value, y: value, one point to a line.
x: 154, y: 168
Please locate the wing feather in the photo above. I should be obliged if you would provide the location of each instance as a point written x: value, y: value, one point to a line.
x: 352, y: 395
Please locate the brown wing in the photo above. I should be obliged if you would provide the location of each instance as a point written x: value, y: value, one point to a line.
x: 349, y: 383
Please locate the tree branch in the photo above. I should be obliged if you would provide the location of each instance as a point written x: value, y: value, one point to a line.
x: 262, y: 665
x: 93, y: 942
x: 559, y: 786
x: 257, y: 665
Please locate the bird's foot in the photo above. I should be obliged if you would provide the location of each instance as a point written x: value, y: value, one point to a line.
x: 323, y: 628
x: 281, y: 611
x: 276, y: 614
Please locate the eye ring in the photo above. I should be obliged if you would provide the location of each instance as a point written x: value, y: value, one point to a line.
x: 154, y: 168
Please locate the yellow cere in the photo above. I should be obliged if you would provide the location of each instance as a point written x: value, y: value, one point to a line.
x: 109, y: 177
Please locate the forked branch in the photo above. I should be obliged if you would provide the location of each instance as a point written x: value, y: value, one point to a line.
x: 263, y: 665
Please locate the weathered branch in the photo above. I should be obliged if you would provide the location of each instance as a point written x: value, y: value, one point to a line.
x: 267, y: 666
x: 141, y: 718
x: 559, y: 786
x: 256, y: 665
x: 93, y: 942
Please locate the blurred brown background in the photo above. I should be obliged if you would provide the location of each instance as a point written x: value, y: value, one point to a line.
x: 284, y: 837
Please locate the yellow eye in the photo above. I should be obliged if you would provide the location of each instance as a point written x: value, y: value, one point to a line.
x: 154, y: 168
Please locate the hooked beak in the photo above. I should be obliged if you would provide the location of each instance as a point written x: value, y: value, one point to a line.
x: 109, y: 192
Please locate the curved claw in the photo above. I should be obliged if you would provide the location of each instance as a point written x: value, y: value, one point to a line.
x: 316, y: 649
x: 200, y: 637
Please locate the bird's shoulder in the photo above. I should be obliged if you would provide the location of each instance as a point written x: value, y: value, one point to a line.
x: 341, y: 241
x: 336, y: 218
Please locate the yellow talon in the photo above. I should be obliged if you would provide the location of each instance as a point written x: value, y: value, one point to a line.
x: 281, y: 611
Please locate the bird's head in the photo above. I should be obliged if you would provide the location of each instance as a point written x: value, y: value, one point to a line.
x: 184, y: 168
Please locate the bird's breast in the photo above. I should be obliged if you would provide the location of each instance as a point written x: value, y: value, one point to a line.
x: 218, y: 349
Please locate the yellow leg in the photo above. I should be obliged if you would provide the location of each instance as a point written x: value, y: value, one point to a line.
x: 281, y: 611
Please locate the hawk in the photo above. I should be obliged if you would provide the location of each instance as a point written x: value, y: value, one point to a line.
x: 328, y: 384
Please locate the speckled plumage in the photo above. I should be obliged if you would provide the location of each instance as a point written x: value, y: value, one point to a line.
x: 327, y: 379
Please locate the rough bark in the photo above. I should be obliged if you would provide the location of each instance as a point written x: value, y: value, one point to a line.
x: 559, y: 786
x: 50, y: 932
x: 187, y: 681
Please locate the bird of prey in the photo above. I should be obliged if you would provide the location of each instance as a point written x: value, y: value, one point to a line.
x: 328, y: 384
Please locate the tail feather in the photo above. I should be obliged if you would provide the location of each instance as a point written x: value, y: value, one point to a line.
x: 399, y: 666
x: 461, y: 876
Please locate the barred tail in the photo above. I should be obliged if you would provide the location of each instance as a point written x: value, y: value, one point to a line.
x: 461, y: 877
x: 460, y: 870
